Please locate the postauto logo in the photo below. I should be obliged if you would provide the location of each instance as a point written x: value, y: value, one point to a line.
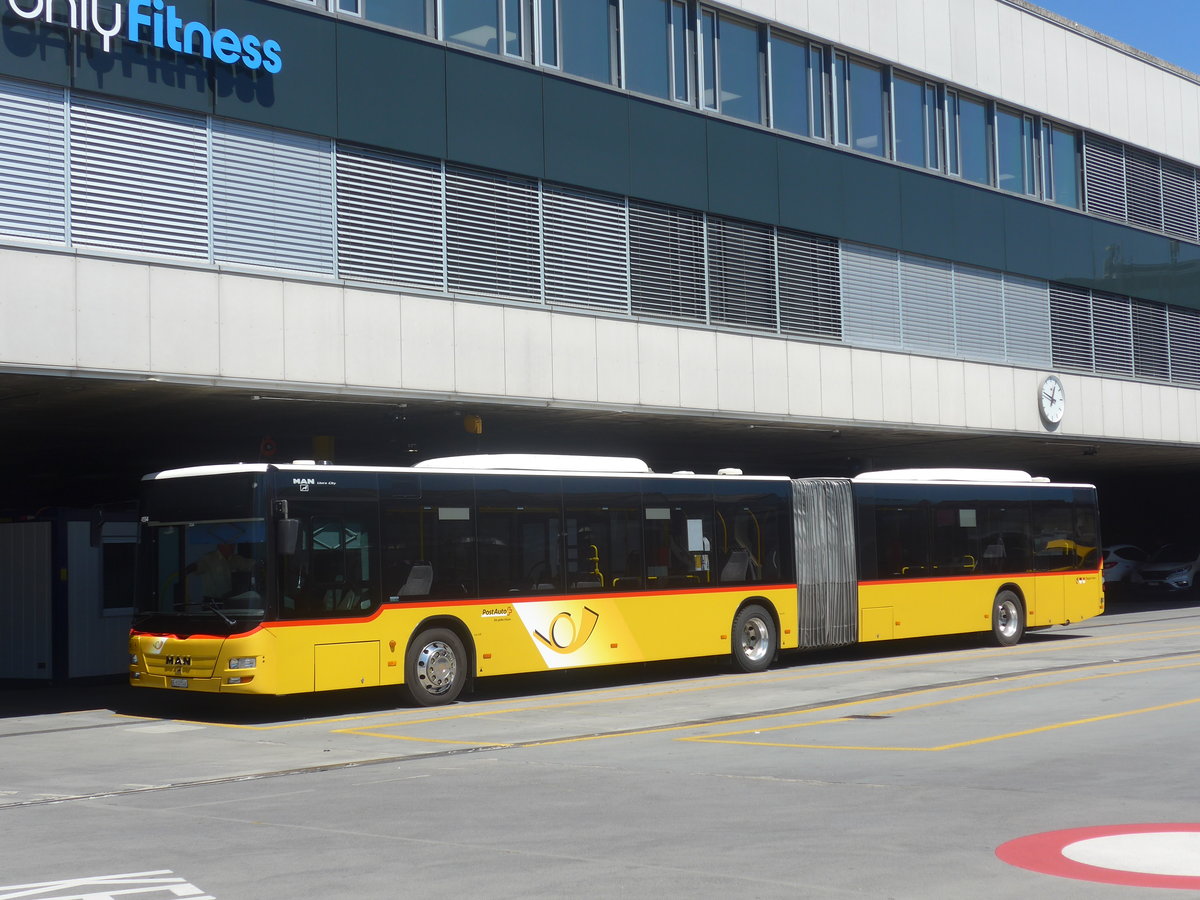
x: 154, y: 22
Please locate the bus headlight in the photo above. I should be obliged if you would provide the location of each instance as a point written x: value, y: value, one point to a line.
x: 243, y: 662
x: 133, y: 659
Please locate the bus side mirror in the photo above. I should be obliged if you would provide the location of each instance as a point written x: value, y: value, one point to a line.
x: 287, y: 534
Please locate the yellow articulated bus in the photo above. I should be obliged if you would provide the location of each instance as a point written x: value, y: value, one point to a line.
x: 284, y: 579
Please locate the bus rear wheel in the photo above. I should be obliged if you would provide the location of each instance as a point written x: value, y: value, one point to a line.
x: 435, y: 667
x: 753, y: 639
x: 1008, y: 619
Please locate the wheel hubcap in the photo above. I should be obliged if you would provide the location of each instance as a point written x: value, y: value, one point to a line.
x: 1006, y: 619
x: 436, y: 667
x: 754, y: 639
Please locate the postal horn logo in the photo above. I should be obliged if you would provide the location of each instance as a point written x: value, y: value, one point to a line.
x: 567, y: 635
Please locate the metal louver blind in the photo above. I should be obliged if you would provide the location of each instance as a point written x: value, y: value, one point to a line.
x: 666, y: 263
x: 1104, y: 173
x: 979, y: 320
x: 33, y: 187
x: 1150, y: 341
x: 272, y: 198
x: 870, y: 296
x: 1071, y: 327
x: 1143, y: 189
x: 586, y: 255
x: 741, y: 274
x: 492, y: 235
x: 139, y: 179
x: 926, y: 305
x: 1179, y: 199
x: 1184, y: 328
x: 1112, y: 333
x: 809, y: 285
x: 390, y: 219
x: 1027, y: 330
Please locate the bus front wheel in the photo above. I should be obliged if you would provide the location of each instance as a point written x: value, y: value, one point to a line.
x: 754, y: 642
x: 1008, y: 619
x: 435, y: 667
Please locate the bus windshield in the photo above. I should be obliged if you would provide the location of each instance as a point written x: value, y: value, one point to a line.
x: 208, y: 569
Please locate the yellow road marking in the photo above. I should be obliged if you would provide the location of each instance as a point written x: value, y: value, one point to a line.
x: 725, y: 737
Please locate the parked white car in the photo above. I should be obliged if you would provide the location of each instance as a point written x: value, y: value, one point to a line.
x: 1122, y: 563
x: 1174, y: 568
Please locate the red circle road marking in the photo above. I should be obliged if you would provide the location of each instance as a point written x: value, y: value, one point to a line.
x: 1045, y: 853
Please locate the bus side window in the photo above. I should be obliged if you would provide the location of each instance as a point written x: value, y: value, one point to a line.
x: 603, y: 534
x: 678, y: 531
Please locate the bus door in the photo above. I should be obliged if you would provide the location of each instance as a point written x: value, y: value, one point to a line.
x: 1053, y: 531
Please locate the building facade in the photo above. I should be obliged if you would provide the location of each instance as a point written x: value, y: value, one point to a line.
x: 880, y: 214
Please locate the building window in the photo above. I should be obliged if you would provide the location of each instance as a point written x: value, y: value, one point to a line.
x: 1060, y: 160
x: 579, y: 36
x: 791, y: 92
x: 732, y: 69
x: 1015, y: 167
x: 866, y: 108
x: 478, y: 24
x: 967, y: 139
x: 910, y: 116
x: 410, y: 15
x: 656, y: 57
x: 472, y: 23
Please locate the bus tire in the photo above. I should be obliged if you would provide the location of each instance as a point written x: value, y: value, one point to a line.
x: 754, y: 641
x: 1008, y: 618
x: 435, y: 667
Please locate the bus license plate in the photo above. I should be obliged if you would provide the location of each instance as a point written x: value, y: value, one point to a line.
x: 179, y: 682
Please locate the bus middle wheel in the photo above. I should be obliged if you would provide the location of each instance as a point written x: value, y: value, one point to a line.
x: 1008, y: 619
x: 753, y: 639
x: 435, y: 667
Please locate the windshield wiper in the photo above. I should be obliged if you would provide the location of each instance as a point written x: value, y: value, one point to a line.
x: 211, y: 605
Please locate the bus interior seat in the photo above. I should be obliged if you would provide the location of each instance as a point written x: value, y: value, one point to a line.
x: 419, y: 581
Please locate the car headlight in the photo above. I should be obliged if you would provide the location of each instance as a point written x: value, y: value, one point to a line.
x: 1181, y: 577
x: 243, y: 662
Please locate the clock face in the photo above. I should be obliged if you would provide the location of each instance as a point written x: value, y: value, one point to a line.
x: 1052, y: 401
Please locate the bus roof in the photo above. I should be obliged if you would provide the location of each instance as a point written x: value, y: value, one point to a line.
x: 539, y: 462
x: 525, y: 463
x: 957, y: 476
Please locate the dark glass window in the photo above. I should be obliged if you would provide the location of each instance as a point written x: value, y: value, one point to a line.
x: 841, y: 100
x: 789, y: 85
x: 1060, y: 157
x: 587, y: 35
x: 752, y: 536
x: 933, y: 141
x: 708, y: 58
x: 866, y: 108
x: 549, y: 27
x: 908, y: 104
x: 118, y: 564
x: 520, y: 535
x: 974, y: 145
x: 472, y: 23
x: 334, y: 572
x: 1015, y: 152
x: 680, y: 51
x: 739, y: 70
x: 603, y: 534
x: 679, y: 536
x: 515, y: 27
x: 648, y: 47
x: 407, y: 14
x: 816, y: 89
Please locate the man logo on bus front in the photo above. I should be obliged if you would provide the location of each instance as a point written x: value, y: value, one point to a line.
x: 565, y: 637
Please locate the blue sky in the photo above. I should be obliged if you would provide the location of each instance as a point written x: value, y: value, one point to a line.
x: 1168, y: 29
